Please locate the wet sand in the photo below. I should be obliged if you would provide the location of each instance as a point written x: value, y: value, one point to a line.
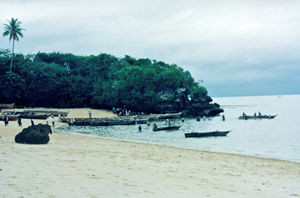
x: 81, y: 166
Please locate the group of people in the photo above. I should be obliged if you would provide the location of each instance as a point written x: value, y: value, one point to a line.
x: 70, y: 121
x: 255, y: 115
x: 19, y: 120
x: 121, y: 111
x: 6, y: 120
x: 168, y: 122
x: 198, y: 118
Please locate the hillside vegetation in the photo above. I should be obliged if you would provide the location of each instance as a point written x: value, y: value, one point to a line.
x: 103, y: 81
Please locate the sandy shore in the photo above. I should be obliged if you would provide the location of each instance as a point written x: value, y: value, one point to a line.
x: 80, y: 166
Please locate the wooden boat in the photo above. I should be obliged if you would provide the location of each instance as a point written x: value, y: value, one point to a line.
x: 167, y: 128
x: 154, y: 117
x: 105, y: 121
x: 54, y: 113
x: 7, y: 106
x: 206, y: 134
x: 10, y: 117
x: 247, y: 117
x: 33, y: 115
x: 167, y: 115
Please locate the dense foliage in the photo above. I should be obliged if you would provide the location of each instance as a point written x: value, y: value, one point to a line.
x: 103, y: 81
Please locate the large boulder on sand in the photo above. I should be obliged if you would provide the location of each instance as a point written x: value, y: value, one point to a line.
x: 36, y: 134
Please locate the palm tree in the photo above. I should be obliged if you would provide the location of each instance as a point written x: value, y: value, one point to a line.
x: 14, y: 30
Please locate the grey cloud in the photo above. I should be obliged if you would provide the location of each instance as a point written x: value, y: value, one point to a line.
x: 224, y: 43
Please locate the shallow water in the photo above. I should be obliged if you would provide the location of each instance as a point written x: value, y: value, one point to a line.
x: 277, y: 138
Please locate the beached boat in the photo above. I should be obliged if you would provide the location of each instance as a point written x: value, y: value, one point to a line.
x: 154, y: 117
x: 168, y: 128
x: 48, y: 112
x: 7, y: 106
x: 105, y: 121
x: 167, y: 115
x: 247, y: 117
x: 33, y: 115
x: 10, y: 117
x: 206, y: 134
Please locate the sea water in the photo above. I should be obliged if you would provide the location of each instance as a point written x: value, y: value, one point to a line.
x: 277, y: 138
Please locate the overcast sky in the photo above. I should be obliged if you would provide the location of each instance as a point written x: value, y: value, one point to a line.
x: 237, y: 47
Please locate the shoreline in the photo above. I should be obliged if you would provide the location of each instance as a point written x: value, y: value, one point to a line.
x: 85, y: 166
x: 175, y: 147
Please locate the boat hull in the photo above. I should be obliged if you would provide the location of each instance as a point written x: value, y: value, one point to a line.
x: 206, y: 134
x: 257, y: 117
x: 104, y: 121
x: 167, y: 128
x: 7, y: 106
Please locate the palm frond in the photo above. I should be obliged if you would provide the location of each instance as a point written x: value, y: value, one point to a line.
x: 13, y: 29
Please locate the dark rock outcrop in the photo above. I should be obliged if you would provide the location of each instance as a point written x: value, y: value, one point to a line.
x: 35, y: 134
x: 190, y: 106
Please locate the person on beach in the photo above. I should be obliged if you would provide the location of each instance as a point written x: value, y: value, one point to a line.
x: 19, y: 122
x: 6, y: 120
x: 32, y: 123
x: 53, y: 121
x: 140, y: 128
x: 59, y: 118
x: 47, y: 120
x: 90, y: 114
x: 182, y: 120
x: 223, y: 117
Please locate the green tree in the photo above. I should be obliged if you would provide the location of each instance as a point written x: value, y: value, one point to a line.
x: 14, y: 31
x: 12, y: 88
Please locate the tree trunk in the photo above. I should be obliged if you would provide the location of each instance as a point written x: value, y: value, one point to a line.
x: 12, y: 57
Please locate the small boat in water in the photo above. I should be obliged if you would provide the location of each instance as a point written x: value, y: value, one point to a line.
x: 166, y: 128
x: 247, y: 117
x: 206, y: 134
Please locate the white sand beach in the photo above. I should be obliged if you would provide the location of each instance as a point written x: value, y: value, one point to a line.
x: 82, y: 166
